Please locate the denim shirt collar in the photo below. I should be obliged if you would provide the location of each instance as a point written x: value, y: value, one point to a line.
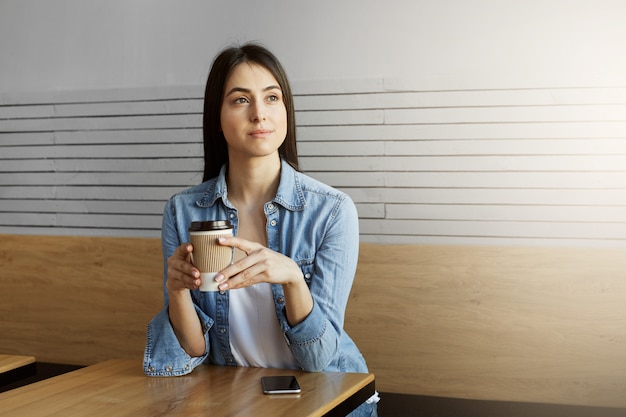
x: 289, y: 194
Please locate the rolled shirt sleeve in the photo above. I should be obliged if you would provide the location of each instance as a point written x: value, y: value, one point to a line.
x: 163, y: 354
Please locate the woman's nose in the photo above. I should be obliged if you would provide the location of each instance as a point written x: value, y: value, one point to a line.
x: 259, y: 112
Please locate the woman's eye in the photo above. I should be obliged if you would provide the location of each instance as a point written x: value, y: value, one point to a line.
x: 273, y: 98
x: 241, y: 100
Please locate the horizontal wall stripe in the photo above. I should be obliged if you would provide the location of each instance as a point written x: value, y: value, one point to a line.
x: 531, y: 213
x: 128, y: 136
x: 163, y: 121
x: 104, y: 179
x: 519, y: 114
x: 131, y: 136
x: 502, y: 147
x: 102, y: 151
x: 469, y: 98
x: 82, y: 165
x: 495, y: 131
x: 492, y: 163
x: 102, y: 109
x: 97, y: 96
x: 459, y: 180
x: 120, y: 192
x: 535, y: 147
x: 79, y: 231
x: 526, y: 229
x: 489, y: 241
x: 488, y: 196
x: 91, y: 220
x: 82, y: 206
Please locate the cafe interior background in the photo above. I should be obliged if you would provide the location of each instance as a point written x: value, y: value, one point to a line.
x: 495, y: 123
x: 448, y: 122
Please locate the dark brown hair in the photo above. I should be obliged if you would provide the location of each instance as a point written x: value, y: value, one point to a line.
x: 215, y: 148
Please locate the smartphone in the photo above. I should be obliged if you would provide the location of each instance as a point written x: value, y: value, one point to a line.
x: 280, y: 385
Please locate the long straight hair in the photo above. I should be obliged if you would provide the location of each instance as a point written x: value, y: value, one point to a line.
x: 215, y: 148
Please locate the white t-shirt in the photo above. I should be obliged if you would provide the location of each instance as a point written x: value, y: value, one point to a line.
x: 256, y: 338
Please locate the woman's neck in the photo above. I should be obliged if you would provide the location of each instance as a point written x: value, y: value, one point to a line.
x: 253, y: 183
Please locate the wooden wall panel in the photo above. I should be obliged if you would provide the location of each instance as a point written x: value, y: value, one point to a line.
x: 495, y: 323
x: 483, y: 322
x: 78, y: 299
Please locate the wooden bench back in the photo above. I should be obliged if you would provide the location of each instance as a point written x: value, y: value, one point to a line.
x: 503, y: 323
x: 78, y: 300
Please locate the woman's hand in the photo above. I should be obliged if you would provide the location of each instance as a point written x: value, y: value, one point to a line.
x: 181, y: 274
x: 265, y: 265
x: 259, y: 265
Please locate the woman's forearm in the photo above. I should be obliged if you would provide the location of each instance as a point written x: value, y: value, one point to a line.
x: 186, y: 323
x: 298, y: 301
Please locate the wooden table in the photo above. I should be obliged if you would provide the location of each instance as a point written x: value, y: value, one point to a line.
x: 16, y: 367
x: 120, y: 388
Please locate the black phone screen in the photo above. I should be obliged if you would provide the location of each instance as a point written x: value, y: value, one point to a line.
x: 280, y: 384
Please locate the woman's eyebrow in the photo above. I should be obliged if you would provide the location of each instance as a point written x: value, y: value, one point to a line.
x: 247, y: 90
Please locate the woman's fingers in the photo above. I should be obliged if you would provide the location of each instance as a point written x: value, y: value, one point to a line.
x: 181, y: 274
x: 260, y: 265
x: 243, y: 245
x: 248, y: 271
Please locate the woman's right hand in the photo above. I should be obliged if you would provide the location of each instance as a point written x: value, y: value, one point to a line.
x: 181, y: 274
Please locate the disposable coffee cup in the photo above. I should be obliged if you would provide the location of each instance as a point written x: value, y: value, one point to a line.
x: 209, y: 256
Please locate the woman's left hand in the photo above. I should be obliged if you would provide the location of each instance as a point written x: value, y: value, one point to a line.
x: 265, y: 265
x: 259, y: 265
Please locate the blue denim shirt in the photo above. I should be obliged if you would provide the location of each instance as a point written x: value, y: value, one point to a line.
x: 310, y: 222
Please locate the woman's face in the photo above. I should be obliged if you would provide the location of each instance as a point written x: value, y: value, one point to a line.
x: 253, y: 116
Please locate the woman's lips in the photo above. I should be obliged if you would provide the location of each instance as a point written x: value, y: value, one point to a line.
x: 260, y: 133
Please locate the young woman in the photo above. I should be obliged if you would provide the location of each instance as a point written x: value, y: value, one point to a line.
x: 282, y: 301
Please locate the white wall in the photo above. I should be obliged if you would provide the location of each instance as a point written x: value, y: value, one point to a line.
x: 101, y: 44
x: 448, y: 122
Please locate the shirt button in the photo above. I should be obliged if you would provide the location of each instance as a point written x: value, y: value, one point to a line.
x: 168, y: 368
x: 307, y: 275
x: 270, y: 206
x: 280, y: 300
x: 273, y: 223
x: 231, y: 215
x: 222, y: 330
x: 150, y: 369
